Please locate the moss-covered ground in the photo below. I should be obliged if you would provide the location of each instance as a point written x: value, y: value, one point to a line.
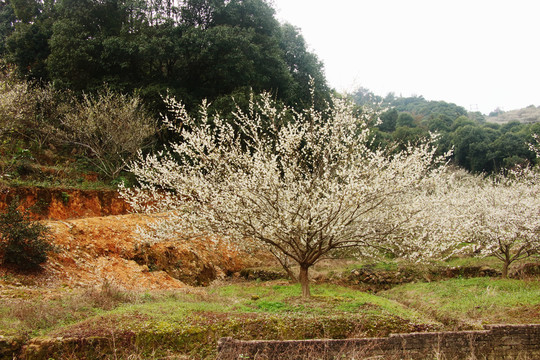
x: 189, y: 323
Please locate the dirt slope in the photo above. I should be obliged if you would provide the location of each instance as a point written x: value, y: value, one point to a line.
x: 92, y: 251
x: 58, y: 203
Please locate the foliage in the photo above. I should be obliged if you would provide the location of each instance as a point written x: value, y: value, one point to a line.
x: 111, y: 127
x: 478, y: 146
x: 7, y: 19
x: 304, y: 188
x: 199, y: 49
x: 23, y: 244
x: 26, y: 111
x: 43, y: 131
x: 11, y: 94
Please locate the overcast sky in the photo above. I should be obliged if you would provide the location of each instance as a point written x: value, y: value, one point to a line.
x: 480, y: 54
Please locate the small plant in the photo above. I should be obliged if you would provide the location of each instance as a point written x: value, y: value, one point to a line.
x: 110, y: 129
x: 41, y: 206
x: 24, y: 244
x: 65, y: 197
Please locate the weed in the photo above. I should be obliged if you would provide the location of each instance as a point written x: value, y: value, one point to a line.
x: 65, y: 197
x: 108, y: 296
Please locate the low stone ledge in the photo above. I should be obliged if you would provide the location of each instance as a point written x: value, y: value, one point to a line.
x: 44, y: 348
x: 496, y: 342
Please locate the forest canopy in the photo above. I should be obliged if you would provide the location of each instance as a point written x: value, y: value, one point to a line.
x: 479, y: 144
x: 196, y: 49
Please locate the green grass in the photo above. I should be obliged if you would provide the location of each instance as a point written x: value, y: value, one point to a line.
x: 180, y: 323
x: 170, y: 323
x: 490, y: 261
x: 475, y: 301
x: 325, y: 298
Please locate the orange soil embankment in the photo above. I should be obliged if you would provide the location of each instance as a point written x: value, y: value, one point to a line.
x: 107, y: 249
x: 59, y: 204
x: 95, y: 244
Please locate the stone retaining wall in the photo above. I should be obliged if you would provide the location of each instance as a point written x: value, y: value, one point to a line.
x: 496, y: 342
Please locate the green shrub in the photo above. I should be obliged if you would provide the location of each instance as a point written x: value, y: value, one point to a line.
x: 24, y: 244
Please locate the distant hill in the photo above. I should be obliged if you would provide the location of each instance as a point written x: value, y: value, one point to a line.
x: 528, y: 115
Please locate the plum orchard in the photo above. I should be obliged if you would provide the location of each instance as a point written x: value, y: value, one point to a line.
x: 307, y: 185
x: 302, y: 184
x: 500, y: 215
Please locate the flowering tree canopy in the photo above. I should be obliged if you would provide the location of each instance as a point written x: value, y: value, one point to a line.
x: 302, y: 184
x: 443, y: 220
x: 505, y: 216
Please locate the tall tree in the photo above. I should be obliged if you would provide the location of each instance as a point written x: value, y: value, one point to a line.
x: 505, y: 216
x: 388, y: 120
x: 27, y: 45
x: 303, y: 66
x: 7, y: 24
x: 303, y: 188
x: 200, y: 13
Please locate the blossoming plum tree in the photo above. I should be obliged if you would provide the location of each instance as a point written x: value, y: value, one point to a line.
x: 505, y: 216
x: 304, y: 184
x: 443, y: 220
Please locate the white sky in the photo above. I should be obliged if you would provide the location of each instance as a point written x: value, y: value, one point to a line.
x: 480, y: 54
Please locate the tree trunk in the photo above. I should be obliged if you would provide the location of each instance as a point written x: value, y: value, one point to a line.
x: 506, y: 264
x: 507, y: 261
x: 290, y: 274
x: 304, y: 280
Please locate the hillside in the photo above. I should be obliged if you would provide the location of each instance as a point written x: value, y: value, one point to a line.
x: 104, y: 294
x: 528, y: 115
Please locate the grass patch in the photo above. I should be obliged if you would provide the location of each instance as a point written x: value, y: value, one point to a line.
x: 161, y: 324
x: 489, y: 261
x: 38, y: 314
x: 281, y: 298
x: 472, y: 302
x: 78, y: 184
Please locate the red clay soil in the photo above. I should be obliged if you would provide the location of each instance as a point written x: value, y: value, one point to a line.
x: 107, y: 249
x: 93, y: 249
x: 59, y: 204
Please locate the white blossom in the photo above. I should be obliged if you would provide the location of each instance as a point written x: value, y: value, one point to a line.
x: 302, y: 183
x: 505, y: 215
